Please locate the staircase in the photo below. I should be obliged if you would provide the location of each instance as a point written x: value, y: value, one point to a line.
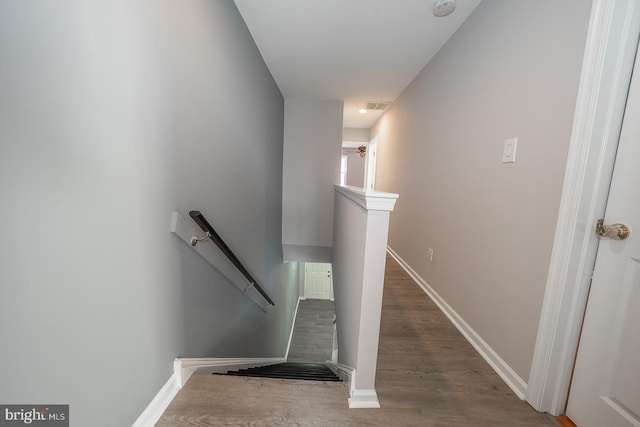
x: 311, y: 344
x: 290, y: 371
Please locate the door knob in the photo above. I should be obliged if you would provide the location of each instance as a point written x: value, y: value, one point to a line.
x: 612, y: 231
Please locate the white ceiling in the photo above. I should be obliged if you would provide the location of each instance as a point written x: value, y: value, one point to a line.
x: 350, y: 50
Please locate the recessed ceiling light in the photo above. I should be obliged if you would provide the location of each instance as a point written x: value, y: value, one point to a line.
x: 362, y: 111
x: 443, y: 7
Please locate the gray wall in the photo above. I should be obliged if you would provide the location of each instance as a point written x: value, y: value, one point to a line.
x: 350, y: 235
x: 511, y: 70
x: 112, y: 116
x: 312, y: 141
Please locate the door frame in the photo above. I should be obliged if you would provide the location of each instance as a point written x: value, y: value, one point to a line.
x: 370, y: 169
x: 610, y: 49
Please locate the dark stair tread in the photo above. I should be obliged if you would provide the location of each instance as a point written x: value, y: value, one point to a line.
x: 283, y: 376
x: 296, y: 371
x: 292, y: 369
x: 286, y: 371
x: 297, y: 367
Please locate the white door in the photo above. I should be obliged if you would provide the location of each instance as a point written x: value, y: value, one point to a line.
x: 317, y: 280
x: 605, y: 391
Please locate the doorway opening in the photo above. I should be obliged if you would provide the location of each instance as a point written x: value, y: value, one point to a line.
x: 358, y: 164
x: 354, y: 163
x: 314, y: 334
x: 318, y: 281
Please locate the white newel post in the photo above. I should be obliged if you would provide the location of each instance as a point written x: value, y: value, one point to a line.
x: 361, y: 226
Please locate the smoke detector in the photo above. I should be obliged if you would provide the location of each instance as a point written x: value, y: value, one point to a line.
x: 443, y: 7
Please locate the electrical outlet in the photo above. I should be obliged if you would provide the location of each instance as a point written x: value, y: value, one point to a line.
x: 430, y: 255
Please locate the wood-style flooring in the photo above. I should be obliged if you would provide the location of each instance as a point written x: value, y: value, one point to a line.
x: 312, y: 339
x: 428, y: 375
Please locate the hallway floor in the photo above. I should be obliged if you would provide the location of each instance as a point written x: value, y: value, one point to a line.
x: 312, y: 339
x: 428, y: 375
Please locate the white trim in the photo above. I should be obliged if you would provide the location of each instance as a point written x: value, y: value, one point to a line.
x: 293, y: 325
x: 358, y: 399
x: 364, y: 399
x: 606, y: 71
x: 185, y: 229
x: 345, y: 373
x: 501, y: 367
x: 370, y: 167
x: 152, y: 413
x: 370, y: 200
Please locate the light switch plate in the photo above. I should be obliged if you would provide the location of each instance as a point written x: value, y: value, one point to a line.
x: 509, y: 152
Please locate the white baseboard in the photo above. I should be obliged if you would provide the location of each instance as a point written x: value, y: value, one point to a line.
x: 344, y: 372
x: 367, y: 399
x: 293, y: 325
x: 159, y: 404
x: 364, y: 399
x: 183, y: 368
x: 501, y: 367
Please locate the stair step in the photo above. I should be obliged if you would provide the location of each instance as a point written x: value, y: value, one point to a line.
x: 287, y: 372
x: 291, y: 376
x: 295, y: 371
x: 285, y: 368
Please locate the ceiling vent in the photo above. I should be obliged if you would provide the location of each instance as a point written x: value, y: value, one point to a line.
x: 376, y: 105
